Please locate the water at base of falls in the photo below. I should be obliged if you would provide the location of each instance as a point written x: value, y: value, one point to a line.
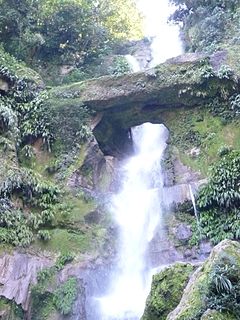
x: 137, y: 210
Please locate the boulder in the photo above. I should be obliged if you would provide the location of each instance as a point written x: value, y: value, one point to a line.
x: 193, y: 304
x: 166, y: 291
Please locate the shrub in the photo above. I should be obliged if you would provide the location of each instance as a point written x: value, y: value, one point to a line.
x: 222, y: 190
x: 63, y: 260
x: 224, y: 293
x: 65, y: 296
x: 44, y: 235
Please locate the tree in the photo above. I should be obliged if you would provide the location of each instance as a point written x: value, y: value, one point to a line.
x: 69, y: 30
x: 206, y: 24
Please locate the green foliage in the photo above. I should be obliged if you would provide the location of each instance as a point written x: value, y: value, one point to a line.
x: 17, y: 227
x: 53, y: 297
x: 120, y: 66
x: 225, y: 72
x: 223, y: 188
x: 71, y: 30
x: 75, y: 75
x: 222, y: 109
x: 218, y: 225
x: 30, y: 187
x: 63, y: 260
x: 65, y: 296
x: 28, y: 151
x: 207, y: 24
x: 44, y: 235
x: 169, y: 283
x: 224, y: 150
x: 23, y: 114
x: 34, y: 121
x: 219, y: 201
x: 224, y: 289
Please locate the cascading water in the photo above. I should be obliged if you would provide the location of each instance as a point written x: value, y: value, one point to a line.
x: 138, y: 206
x: 194, y: 203
x: 138, y: 212
x: 133, y: 63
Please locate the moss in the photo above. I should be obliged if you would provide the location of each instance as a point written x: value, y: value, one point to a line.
x: 166, y: 291
x: 88, y: 241
x: 217, y: 315
x: 17, y: 69
x: 10, y: 310
x: 44, y: 310
x: 208, y: 134
x: 194, y: 300
x: 72, y: 211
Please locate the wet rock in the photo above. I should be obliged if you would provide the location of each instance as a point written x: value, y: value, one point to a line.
x: 179, y: 193
x: 183, y: 232
x: 205, y: 248
x: 66, y: 69
x: 166, y: 291
x: 4, y: 86
x: 93, y: 217
x: 17, y: 272
x: 193, y: 301
x: 96, y: 172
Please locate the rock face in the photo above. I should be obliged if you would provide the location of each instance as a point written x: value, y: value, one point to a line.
x: 17, y: 272
x: 140, y: 49
x: 190, y: 292
x: 129, y: 100
x: 193, y: 304
x: 215, y: 315
x: 4, y: 86
x: 96, y: 172
x: 166, y: 291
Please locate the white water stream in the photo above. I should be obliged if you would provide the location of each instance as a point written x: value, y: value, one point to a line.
x: 138, y: 206
x: 138, y: 212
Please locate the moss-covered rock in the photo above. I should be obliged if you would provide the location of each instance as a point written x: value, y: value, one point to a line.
x: 9, y: 310
x: 12, y: 70
x: 193, y: 304
x: 125, y: 101
x: 216, y: 315
x: 166, y: 291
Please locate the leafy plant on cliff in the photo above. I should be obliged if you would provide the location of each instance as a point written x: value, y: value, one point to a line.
x: 23, y: 188
x: 219, y: 200
x: 72, y: 31
x: 53, y: 297
x: 65, y: 296
x: 206, y: 24
x: 224, y: 289
x: 223, y: 188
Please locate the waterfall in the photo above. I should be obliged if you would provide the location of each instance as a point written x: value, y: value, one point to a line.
x: 166, y: 42
x: 137, y: 208
x: 194, y: 203
x: 138, y: 212
x: 133, y: 63
x: 195, y: 210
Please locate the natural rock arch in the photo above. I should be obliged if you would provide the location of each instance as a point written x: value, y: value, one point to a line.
x: 122, y: 102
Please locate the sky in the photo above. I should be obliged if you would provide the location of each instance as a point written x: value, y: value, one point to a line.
x: 166, y: 41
